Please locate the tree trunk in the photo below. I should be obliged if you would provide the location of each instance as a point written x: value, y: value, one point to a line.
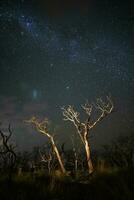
x: 58, y: 156
x: 88, y: 154
x: 76, y: 165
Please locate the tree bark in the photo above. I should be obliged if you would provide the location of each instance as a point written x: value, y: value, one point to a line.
x: 88, y: 154
x: 58, y: 156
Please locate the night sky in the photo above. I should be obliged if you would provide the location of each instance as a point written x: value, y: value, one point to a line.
x: 55, y: 53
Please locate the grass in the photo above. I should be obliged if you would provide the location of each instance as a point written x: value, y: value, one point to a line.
x: 108, y: 185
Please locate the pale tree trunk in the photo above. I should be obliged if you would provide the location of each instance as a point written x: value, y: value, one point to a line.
x: 88, y: 154
x: 58, y: 156
x: 76, y: 160
x: 76, y: 165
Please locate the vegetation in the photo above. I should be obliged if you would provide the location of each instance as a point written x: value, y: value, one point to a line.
x: 51, y: 172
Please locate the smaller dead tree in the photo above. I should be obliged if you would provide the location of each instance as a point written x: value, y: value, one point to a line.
x: 75, y: 153
x: 84, y: 128
x: 46, y: 158
x: 42, y: 127
x: 7, y: 151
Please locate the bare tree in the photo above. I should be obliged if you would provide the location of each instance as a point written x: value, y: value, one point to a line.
x: 7, y: 151
x: 75, y: 156
x: 6, y: 147
x: 84, y: 128
x: 47, y: 158
x: 42, y: 127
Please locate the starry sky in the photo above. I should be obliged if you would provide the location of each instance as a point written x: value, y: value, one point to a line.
x: 55, y: 53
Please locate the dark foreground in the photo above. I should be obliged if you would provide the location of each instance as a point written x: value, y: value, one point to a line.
x: 109, y: 185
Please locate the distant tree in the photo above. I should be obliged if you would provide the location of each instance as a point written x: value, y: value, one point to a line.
x: 84, y: 128
x: 75, y: 156
x: 47, y: 158
x: 42, y: 127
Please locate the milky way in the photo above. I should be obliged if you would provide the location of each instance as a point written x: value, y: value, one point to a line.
x: 53, y: 61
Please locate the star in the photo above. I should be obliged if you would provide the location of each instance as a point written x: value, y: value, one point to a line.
x: 65, y: 60
x: 67, y: 87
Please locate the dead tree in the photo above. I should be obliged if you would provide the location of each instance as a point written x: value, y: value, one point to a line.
x: 42, y: 127
x: 84, y: 128
x: 47, y: 158
x: 75, y: 156
x: 7, y: 151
